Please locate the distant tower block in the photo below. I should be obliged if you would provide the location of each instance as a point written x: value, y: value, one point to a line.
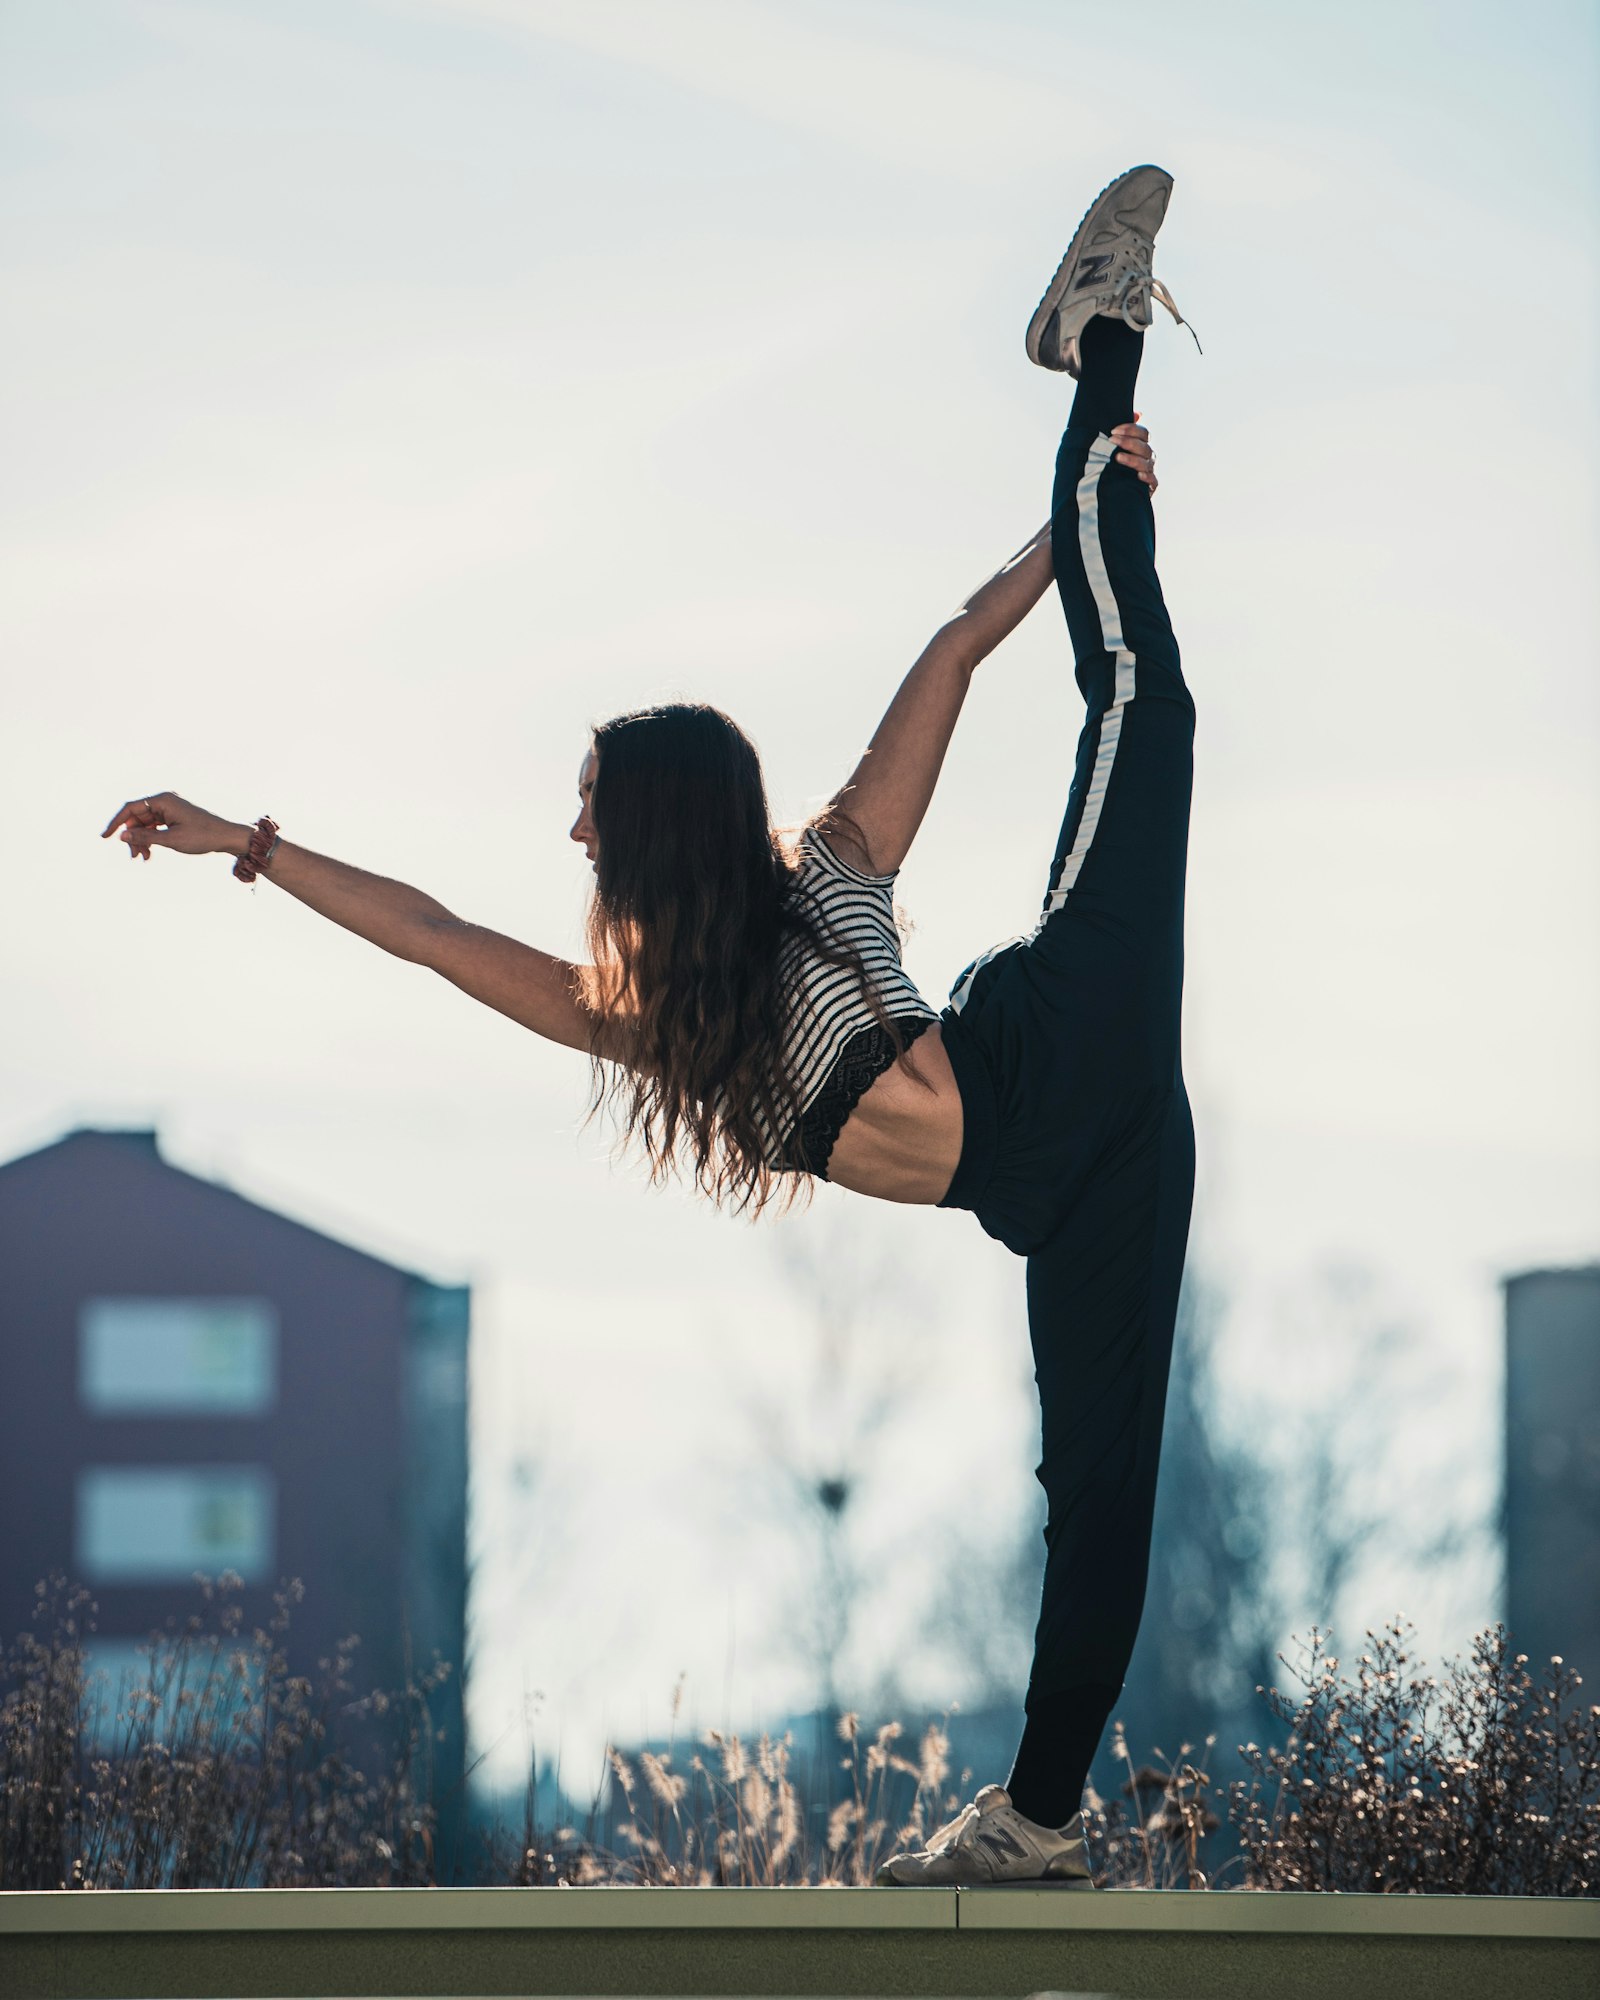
x: 1552, y: 1495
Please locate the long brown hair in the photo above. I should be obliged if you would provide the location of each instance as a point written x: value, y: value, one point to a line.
x: 694, y: 898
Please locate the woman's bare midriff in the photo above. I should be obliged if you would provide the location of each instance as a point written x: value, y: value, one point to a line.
x: 903, y: 1140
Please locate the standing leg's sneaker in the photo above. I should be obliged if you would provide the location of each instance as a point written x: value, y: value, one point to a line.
x: 991, y: 1844
x: 1107, y: 269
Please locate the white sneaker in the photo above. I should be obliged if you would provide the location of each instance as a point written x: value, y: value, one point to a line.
x: 1107, y: 269
x: 989, y: 1843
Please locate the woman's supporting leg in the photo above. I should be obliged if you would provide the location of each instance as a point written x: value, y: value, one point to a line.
x: 1103, y: 1288
x: 1102, y: 1302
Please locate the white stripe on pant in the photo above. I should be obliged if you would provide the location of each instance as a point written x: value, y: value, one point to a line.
x: 1101, y: 453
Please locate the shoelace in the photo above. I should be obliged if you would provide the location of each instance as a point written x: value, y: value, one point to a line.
x: 1134, y: 281
x: 948, y: 1836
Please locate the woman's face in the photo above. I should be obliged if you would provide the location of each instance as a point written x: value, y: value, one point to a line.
x: 583, y: 826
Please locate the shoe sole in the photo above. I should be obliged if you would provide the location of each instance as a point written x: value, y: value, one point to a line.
x: 966, y: 1888
x: 1072, y: 1883
x: 1056, y: 291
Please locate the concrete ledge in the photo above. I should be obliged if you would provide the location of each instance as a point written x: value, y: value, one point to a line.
x: 47, y: 1910
x: 81, y: 1912
x: 1283, y: 1914
x: 234, y: 1944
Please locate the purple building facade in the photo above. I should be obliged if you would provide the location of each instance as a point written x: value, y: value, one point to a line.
x: 190, y: 1382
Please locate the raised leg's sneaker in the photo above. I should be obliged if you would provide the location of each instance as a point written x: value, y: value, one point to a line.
x: 1107, y: 269
x: 990, y: 1844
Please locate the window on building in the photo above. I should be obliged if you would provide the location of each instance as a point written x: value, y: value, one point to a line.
x: 205, y: 1357
x: 159, y: 1524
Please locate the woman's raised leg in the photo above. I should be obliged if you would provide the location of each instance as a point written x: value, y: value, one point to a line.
x: 1122, y: 851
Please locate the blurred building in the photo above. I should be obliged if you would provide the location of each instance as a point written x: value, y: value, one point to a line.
x: 196, y: 1383
x: 1552, y: 1473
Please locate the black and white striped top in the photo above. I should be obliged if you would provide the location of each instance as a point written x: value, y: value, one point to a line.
x: 829, y: 1017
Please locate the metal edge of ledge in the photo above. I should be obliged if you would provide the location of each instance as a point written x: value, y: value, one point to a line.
x: 1281, y: 1913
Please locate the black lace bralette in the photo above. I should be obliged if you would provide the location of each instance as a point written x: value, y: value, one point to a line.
x: 860, y: 1063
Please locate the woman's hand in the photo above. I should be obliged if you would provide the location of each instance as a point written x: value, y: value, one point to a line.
x: 162, y: 819
x: 1134, y: 450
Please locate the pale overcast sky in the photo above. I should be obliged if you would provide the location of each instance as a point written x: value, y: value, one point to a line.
x: 390, y: 390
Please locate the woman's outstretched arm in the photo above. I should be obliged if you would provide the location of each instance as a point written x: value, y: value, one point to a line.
x: 531, y: 987
x: 881, y: 807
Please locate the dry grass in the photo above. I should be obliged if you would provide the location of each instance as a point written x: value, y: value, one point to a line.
x: 227, y: 1771
x: 737, y: 1816
x: 1160, y: 1838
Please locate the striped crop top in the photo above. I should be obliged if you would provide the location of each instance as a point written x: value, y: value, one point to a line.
x: 834, y: 1046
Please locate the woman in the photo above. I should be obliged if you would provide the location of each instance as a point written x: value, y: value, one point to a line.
x: 746, y: 1003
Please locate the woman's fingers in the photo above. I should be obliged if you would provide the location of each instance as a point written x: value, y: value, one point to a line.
x: 137, y: 812
x: 1133, y: 442
x: 139, y: 823
x: 162, y: 819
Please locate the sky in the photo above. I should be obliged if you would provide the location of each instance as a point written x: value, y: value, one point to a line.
x: 393, y: 388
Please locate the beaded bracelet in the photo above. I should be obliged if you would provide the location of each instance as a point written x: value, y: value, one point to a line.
x: 263, y: 845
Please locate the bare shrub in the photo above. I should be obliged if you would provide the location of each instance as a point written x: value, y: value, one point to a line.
x: 225, y: 1771
x: 1486, y: 1782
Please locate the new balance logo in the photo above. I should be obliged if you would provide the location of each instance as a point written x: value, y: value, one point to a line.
x: 1093, y: 271
x: 998, y: 1841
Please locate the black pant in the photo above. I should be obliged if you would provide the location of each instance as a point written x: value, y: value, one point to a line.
x: 1079, y: 1148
